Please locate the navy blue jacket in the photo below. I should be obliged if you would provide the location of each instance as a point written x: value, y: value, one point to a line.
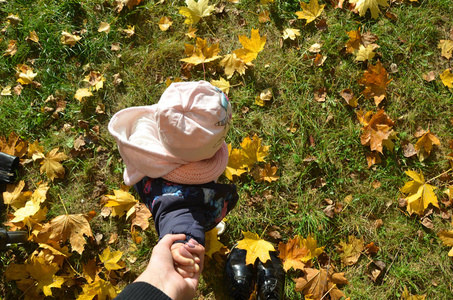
x: 188, y: 209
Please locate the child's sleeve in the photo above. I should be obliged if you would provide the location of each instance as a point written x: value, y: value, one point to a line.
x: 173, y: 214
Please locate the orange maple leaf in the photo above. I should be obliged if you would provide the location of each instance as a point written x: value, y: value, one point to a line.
x: 317, y: 283
x: 375, y: 80
x: 354, y: 42
x: 292, y: 254
x: 425, y: 144
x: 377, y: 130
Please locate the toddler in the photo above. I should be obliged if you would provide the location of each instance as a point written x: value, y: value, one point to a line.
x: 174, y: 151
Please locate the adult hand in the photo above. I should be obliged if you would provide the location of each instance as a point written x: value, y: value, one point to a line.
x: 161, y: 272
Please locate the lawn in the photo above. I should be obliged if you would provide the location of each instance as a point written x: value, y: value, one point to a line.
x: 349, y: 110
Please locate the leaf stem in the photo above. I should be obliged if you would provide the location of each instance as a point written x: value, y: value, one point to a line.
x: 61, y: 200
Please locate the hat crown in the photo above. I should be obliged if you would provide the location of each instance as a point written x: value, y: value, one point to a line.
x: 193, y: 120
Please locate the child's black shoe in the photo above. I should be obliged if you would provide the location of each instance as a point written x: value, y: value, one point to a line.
x: 270, y: 278
x: 238, y: 275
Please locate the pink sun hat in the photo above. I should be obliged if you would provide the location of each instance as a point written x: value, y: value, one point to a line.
x: 181, y: 138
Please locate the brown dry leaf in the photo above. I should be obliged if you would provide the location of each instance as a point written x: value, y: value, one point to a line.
x: 12, y: 48
x: 191, y: 32
x: 141, y: 216
x: 349, y: 97
x: 121, y: 202
x: 377, y: 130
x: 256, y: 248
x: 409, y: 150
x: 51, y: 164
x: 319, y: 60
x: 320, y: 94
x: 446, y: 47
x: 268, y: 173
x: 377, y: 270
x: 373, y: 158
x: 72, y: 227
x: 201, y: 53
x: 14, y: 145
x: 316, y: 283
x: 425, y: 144
x: 129, y: 31
x: 371, y: 248
x: 263, y: 17
x: 351, y: 250
x: 375, y: 80
x: 91, y: 271
x: 430, y: 76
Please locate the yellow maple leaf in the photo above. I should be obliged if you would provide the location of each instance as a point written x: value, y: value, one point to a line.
x: 35, y: 151
x: 222, y: 84
x: 253, y: 151
x: 408, y: 296
x: 104, y: 27
x: 233, y: 64
x: 365, y: 53
x: 72, y: 227
x: 6, y: 91
x: 373, y: 5
x: 290, y: 33
x: 235, y: 163
x: 25, y: 74
x: 95, y: 79
x: 310, y: 11
x: 111, y: 259
x: 33, y: 37
x: 447, y: 239
x: 420, y: 194
x: 101, y: 288
x: 191, y: 32
x: 251, y: 47
x: 14, y: 197
x: 69, y: 39
x: 40, y: 194
x: 51, y: 164
x: 351, y: 250
x: 354, y: 42
x: 82, y: 93
x: 164, y: 23
x: 12, y: 48
x: 129, y: 31
x: 446, y: 47
x: 14, y: 145
x: 121, y: 202
x: 201, y: 53
x: 312, y: 246
x: 44, y: 274
x: 212, y: 244
x: 425, y: 144
x: 196, y: 11
x: 256, y: 248
x: 447, y: 78
x: 29, y: 215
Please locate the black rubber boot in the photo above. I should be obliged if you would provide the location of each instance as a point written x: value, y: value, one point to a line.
x: 270, y: 278
x: 238, y: 275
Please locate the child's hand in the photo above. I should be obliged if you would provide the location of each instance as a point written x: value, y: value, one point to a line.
x: 188, y: 258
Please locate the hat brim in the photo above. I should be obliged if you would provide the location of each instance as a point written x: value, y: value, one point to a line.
x: 200, y: 172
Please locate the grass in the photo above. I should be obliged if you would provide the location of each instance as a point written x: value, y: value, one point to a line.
x: 328, y: 131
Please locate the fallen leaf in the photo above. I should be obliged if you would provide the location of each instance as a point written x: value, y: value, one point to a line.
x: 373, y: 5
x: 420, y: 194
x: 354, y: 42
x: 268, y: 173
x: 141, y: 216
x: 430, y: 76
x: 319, y: 60
x: 212, y: 243
x: 121, y: 202
x: 95, y: 79
x: 320, y: 94
x: 377, y: 270
x: 253, y: 151
x: 51, y: 164
x: 235, y: 165
x: 317, y: 283
x: 351, y: 250
x: 290, y: 33
x: 377, y: 130
x: 14, y: 196
x: 82, y: 93
x: 256, y: 248
x: 251, y: 47
x: 201, y: 53
x: 104, y: 27
x: 222, y: 84
x: 425, y: 144
x: 69, y: 39
x: 111, y: 259
x: 25, y: 74
x: 447, y: 78
x: 32, y: 37
x: 12, y: 48
x: 446, y: 47
x: 232, y: 64
x: 349, y: 97
x: 408, y: 296
x: 366, y: 53
x: 129, y: 31
x: 264, y: 97
x: 6, y: 91
x: 44, y: 274
x: 375, y: 80
x: 447, y: 239
x: 196, y: 11
x: 164, y: 23
x: 263, y: 17
x: 72, y: 227
x: 310, y: 11
x: 101, y: 289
